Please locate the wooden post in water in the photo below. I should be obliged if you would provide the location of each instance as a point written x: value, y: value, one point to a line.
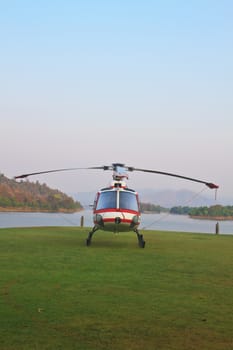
x: 217, y: 228
x: 82, y: 221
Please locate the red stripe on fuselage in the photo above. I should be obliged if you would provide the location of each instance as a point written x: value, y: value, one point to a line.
x: 116, y: 211
x: 124, y: 221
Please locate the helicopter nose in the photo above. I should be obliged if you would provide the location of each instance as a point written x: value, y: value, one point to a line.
x: 117, y: 220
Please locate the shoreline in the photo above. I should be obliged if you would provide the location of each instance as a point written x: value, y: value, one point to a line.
x: 69, y: 211
x: 31, y: 210
x: 213, y: 218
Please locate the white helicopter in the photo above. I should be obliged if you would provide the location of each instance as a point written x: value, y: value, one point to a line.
x: 116, y: 208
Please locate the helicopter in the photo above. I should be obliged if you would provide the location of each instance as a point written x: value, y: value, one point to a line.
x: 116, y: 207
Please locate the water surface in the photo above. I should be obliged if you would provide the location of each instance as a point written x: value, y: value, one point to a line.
x: 163, y: 222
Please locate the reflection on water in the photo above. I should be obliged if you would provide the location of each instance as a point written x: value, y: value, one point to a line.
x: 162, y: 222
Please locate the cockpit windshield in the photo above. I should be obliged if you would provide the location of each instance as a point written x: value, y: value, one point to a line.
x: 118, y: 200
x: 128, y: 200
x: 107, y: 200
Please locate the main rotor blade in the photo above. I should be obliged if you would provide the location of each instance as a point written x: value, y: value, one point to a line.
x: 209, y: 184
x: 54, y: 171
x: 114, y: 168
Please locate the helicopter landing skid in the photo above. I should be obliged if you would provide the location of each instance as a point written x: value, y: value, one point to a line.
x: 141, y: 241
x: 88, y: 240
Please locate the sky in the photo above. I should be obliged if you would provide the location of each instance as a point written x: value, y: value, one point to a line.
x: 145, y: 83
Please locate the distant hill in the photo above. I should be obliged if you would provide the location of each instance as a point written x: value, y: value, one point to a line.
x: 30, y: 196
x: 164, y: 198
x: 86, y: 198
x: 170, y: 198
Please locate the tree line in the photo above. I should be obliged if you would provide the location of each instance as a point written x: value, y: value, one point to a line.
x: 212, y: 211
x: 32, y: 196
x: 153, y: 208
x: 204, y: 211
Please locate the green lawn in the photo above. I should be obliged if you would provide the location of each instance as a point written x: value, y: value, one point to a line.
x: 56, y: 293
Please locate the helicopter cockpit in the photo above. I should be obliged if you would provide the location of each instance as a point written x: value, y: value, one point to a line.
x: 117, y: 199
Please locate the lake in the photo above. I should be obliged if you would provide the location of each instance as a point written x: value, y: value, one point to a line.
x: 163, y: 222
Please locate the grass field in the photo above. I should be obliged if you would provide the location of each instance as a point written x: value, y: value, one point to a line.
x: 56, y: 293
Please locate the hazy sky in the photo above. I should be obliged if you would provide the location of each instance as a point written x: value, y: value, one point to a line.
x: 146, y: 83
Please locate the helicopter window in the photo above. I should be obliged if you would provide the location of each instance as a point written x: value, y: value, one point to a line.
x: 107, y: 200
x: 128, y: 201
